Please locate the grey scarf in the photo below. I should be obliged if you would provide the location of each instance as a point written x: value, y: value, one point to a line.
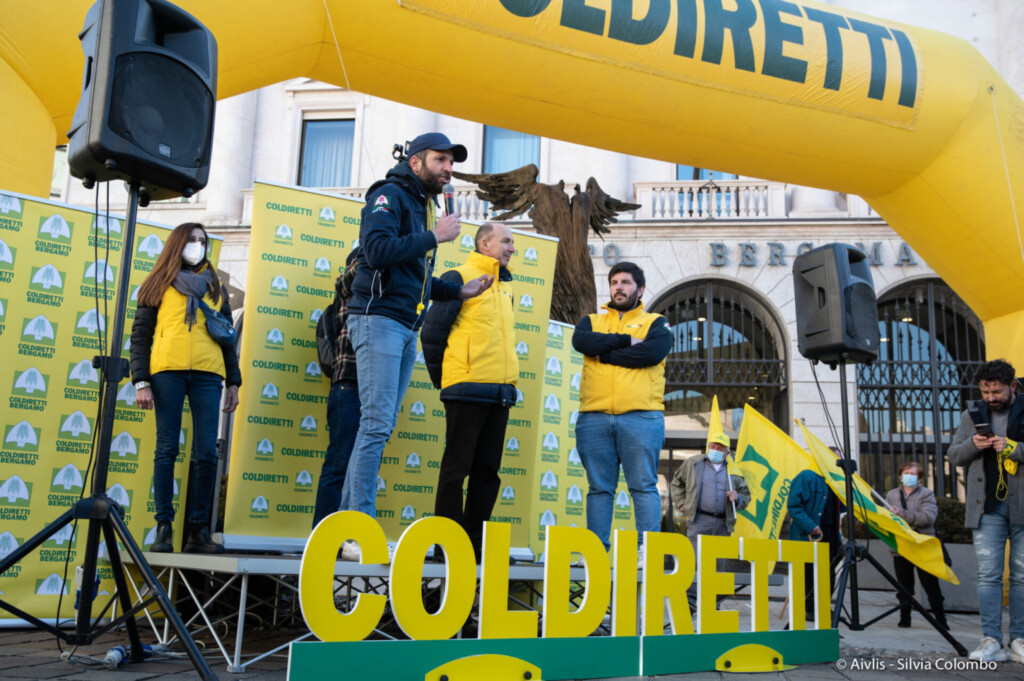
x: 193, y: 285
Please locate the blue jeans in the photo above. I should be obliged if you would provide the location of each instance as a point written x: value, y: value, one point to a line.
x: 203, y: 390
x: 342, y: 424
x: 634, y: 440
x: 990, y: 548
x: 385, y: 353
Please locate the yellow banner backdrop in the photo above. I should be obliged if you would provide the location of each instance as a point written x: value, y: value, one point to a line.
x: 299, y: 242
x: 59, y: 267
x: 919, y: 549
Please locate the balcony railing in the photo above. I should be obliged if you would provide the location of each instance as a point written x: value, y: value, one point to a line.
x: 717, y: 200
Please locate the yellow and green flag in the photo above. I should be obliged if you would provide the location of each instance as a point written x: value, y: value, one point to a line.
x: 921, y: 550
x: 768, y: 460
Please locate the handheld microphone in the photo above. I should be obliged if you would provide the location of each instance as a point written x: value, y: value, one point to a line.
x: 449, y: 199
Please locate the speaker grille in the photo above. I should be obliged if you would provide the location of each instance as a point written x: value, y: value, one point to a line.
x: 163, y: 108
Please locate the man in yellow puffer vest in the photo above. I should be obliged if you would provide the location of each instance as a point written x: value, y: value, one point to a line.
x: 622, y: 418
x: 469, y: 350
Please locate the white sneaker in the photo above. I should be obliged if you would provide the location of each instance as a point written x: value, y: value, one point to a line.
x: 1016, y: 651
x: 989, y: 650
x: 350, y: 551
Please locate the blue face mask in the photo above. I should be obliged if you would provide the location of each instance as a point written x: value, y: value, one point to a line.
x: 715, y: 456
x: 909, y: 480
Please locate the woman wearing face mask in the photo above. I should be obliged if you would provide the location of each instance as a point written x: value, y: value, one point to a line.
x: 174, y: 357
x: 916, y: 505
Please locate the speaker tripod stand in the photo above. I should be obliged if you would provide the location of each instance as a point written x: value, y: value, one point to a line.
x: 104, y: 515
x: 853, y: 552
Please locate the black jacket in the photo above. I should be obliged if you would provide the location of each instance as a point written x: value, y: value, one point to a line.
x: 394, y: 238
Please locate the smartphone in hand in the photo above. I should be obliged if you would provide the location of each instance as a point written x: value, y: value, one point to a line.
x: 983, y: 429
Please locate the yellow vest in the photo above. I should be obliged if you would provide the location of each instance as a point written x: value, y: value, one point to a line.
x: 175, y: 347
x: 482, y: 345
x: 614, y: 389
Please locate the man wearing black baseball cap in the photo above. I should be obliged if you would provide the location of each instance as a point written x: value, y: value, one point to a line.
x: 390, y: 294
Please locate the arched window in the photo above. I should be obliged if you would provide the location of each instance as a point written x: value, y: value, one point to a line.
x: 727, y: 342
x: 911, y: 398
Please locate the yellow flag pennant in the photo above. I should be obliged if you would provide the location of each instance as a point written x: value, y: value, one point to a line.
x: 921, y: 550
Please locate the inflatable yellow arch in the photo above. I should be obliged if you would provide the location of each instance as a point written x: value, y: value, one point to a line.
x: 916, y: 122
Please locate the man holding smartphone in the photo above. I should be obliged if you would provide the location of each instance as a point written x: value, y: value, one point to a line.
x: 986, y: 444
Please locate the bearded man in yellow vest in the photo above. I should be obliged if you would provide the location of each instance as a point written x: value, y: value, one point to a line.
x: 469, y: 348
x: 622, y: 420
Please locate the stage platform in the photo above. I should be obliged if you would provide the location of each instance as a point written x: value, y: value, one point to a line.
x: 218, y: 588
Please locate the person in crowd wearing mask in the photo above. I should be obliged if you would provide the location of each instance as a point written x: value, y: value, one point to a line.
x: 708, y: 495
x: 987, y: 446
x: 916, y: 505
x: 814, y: 511
x: 174, y: 357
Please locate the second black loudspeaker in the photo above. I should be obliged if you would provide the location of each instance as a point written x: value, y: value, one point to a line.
x: 148, y: 97
x: 836, y: 308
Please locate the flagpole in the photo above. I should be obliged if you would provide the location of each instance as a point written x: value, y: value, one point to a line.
x: 728, y: 477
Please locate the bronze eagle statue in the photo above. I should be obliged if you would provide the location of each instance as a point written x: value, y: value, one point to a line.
x: 573, y: 293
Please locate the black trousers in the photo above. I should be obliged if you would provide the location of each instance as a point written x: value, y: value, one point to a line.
x: 904, y: 570
x: 475, y: 438
x: 830, y: 534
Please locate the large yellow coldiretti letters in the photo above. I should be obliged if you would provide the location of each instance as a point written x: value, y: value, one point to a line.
x: 659, y: 587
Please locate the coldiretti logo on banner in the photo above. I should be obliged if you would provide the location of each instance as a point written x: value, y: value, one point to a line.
x: 98, y: 280
x: 147, y: 249
x: 15, y: 495
x: 322, y: 268
x: 54, y: 235
x: 326, y: 217
x: 801, y: 55
x: 270, y: 395
x: 38, y: 336
x: 303, y: 482
x: 67, y: 483
x: 10, y: 213
x: 8, y: 256
x: 552, y: 409
x: 76, y: 426
x: 283, y: 235
x: 105, y: 232
x: 46, y: 287
x: 553, y: 372
x: 29, y: 390
x: 279, y: 286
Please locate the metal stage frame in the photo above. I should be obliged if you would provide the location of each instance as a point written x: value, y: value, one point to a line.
x: 227, y: 578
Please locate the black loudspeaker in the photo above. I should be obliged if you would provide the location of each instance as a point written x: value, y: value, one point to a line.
x: 836, y: 309
x: 148, y: 98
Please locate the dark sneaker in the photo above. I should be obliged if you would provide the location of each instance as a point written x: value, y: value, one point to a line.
x: 164, y: 539
x: 200, y: 541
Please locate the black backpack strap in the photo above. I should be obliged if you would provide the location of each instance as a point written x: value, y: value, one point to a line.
x: 903, y: 499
